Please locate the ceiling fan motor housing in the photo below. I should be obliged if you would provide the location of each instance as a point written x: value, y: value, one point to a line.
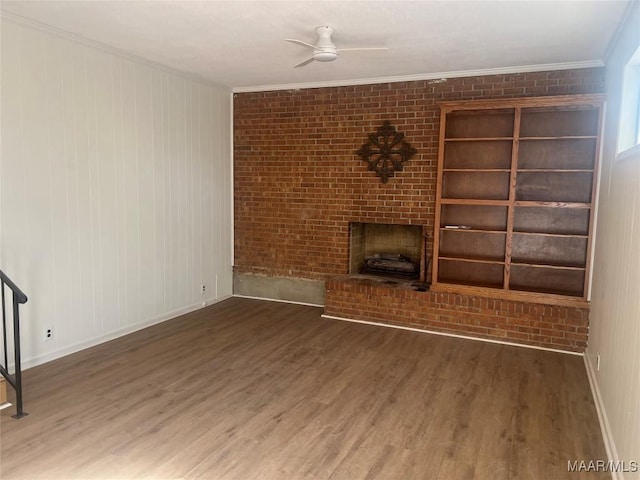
x: 325, y: 56
x: 325, y: 51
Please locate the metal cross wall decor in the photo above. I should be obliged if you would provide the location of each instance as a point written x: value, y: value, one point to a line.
x: 386, y: 151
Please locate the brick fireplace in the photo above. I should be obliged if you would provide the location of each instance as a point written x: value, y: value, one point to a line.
x: 368, y: 241
x: 300, y: 190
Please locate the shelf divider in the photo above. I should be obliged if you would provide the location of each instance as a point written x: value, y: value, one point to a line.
x: 512, y: 197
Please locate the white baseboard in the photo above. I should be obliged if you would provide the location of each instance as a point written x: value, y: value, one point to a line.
x: 279, y: 300
x: 607, y: 437
x: 445, y: 334
x: 48, y: 357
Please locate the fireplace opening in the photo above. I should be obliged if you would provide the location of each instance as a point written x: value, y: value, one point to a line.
x: 387, y: 250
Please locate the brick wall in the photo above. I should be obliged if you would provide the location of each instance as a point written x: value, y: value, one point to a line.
x: 298, y: 182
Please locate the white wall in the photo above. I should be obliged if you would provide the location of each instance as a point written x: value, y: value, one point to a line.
x: 116, y: 191
x: 615, y: 303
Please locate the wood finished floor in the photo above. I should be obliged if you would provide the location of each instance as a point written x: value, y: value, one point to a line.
x: 249, y: 389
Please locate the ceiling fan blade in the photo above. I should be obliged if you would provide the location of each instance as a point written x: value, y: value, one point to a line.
x: 364, y: 48
x: 300, y: 42
x: 302, y: 64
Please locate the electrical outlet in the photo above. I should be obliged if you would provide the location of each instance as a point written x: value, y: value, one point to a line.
x: 204, y: 289
x: 48, y: 334
x: 598, y: 362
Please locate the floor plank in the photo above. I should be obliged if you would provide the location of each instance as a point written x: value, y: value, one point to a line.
x: 248, y: 389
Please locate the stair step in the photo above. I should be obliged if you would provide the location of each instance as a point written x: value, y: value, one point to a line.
x: 3, y: 392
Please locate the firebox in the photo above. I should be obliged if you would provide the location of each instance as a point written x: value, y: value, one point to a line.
x: 389, y: 250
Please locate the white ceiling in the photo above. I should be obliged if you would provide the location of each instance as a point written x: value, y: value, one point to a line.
x: 240, y: 44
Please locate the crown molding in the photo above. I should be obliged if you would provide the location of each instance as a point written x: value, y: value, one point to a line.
x: 42, y: 27
x: 434, y: 77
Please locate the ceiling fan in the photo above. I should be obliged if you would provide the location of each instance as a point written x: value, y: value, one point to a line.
x: 325, y: 50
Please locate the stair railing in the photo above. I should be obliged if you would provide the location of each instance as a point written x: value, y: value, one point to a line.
x: 14, y: 380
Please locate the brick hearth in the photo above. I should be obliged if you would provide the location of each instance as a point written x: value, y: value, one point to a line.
x: 371, y: 299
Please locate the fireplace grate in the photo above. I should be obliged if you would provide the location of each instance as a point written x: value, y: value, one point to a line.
x: 391, y: 264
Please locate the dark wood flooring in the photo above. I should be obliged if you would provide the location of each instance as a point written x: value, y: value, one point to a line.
x: 248, y: 389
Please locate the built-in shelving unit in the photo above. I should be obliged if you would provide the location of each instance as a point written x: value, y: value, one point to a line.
x: 516, y: 186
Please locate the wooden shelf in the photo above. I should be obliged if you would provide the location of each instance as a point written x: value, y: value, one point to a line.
x: 479, y: 139
x: 547, y: 280
x: 547, y: 265
x: 477, y: 170
x: 475, y: 284
x: 545, y: 291
x: 471, y: 230
x: 565, y: 137
x: 497, y: 291
x: 554, y: 186
x: 535, y: 203
x: 471, y: 246
x: 557, y: 170
x: 479, y: 185
x: 466, y: 201
x: 551, y: 221
x: 470, y: 271
x: 472, y: 260
x: 566, y: 154
x: 478, y: 217
x: 546, y: 234
x: 496, y: 124
x: 521, y: 174
x: 484, y: 155
x: 559, y: 123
